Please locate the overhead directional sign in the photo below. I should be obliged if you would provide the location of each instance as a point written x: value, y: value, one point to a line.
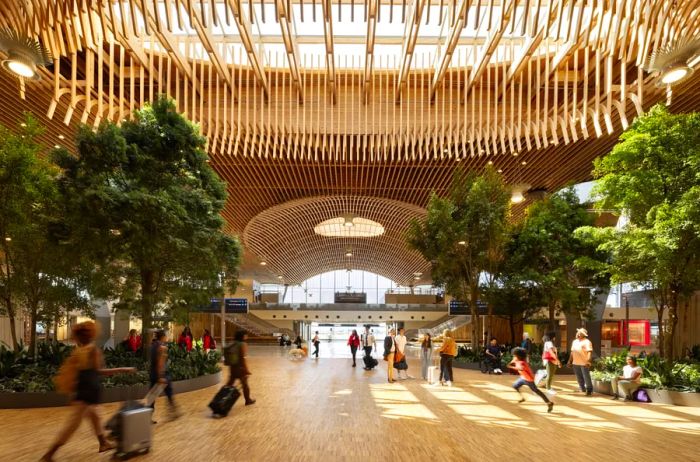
x: 458, y: 308
x: 231, y: 305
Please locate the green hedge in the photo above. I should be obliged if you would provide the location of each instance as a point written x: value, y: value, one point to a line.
x: 19, y: 372
x: 656, y: 372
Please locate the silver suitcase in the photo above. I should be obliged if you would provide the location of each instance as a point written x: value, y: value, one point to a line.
x: 136, y: 433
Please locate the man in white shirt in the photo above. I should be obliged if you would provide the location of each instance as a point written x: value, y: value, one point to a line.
x: 629, y: 381
x: 401, y: 347
x: 368, y: 342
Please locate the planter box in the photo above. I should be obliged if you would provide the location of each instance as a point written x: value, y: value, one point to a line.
x: 677, y: 398
x: 602, y: 387
x: 109, y: 395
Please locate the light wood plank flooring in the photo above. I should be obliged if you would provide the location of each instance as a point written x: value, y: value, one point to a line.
x: 323, y: 410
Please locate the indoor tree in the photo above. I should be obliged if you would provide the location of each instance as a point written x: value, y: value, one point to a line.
x: 545, y: 251
x: 651, y: 178
x: 145, y: 205
x: 460, y: 235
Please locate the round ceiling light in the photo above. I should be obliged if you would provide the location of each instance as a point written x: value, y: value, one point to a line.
x: 24, y: 54
x: 675, y: 74
x: 19, y: 66
x: 518, y: 194
x: 359, y: 227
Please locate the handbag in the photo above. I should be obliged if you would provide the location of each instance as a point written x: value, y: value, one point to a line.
x: 398, y: 356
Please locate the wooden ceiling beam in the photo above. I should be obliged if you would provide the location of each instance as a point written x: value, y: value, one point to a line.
x: 408, y: 46
x: 204, y: 32
x: 244, y: 30
x: 330, y: 52
x: 286, y: 22
x: 372, y: 10
x: 446, y: 49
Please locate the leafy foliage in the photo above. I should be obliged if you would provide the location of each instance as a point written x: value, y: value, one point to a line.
x: 19, y: 372
x: 462, y: 233
x: 145, y: 206
x: 651, y: 176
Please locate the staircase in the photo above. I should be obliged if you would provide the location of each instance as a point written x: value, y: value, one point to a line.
x: 256, y: 326
x: 446, y: 322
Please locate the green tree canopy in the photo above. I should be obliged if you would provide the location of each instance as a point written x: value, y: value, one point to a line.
x: 461, y: 234
x: 145, y: 205
x: 545, y: 251
x: 652, y: 177
x: 38, y: 276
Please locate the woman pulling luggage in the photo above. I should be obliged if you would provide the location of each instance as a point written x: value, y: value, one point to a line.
x: 79, y: 377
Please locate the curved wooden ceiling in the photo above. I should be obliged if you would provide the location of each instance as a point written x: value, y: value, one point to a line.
x: 537, y: 88
x: 283, y: 237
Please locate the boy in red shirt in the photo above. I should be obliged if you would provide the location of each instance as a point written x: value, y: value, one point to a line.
x: 519, y: 363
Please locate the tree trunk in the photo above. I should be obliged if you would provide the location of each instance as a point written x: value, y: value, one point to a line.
x: 11, y: 317
x: 55, y: 328
x: 474, y: 297
x: 552, y: 321
x: 660, y: 315
x: 672, y: 323
x: 489, y: 323
x: 32, y: 337
x: 147, y: 287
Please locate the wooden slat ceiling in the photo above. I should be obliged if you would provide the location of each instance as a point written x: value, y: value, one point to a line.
x: 536, y: 88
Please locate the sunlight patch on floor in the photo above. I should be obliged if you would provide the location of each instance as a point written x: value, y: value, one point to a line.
x: 576, y: 418
x: 397, y: 402
x: 454, y: 395
x: 488, y: 414
x: 347, y: 391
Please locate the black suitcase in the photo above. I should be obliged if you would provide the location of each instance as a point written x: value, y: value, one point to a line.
x: 370, y: 362
x: 224, y: 401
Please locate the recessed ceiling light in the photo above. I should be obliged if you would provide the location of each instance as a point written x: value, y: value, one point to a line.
x: 500, y: 170
x: 515, y: 153
x: 280, y: 277
x: 8, y: 238
x: 22, y: 125
x: 462, y: 243
x: 61, y: 137
x: 263, y: 263
x: 416, y: 278
x: 523, y: 163
x: 57, y: 146
x: 418, y: 274
x: 490, y: 162
x: 348, y: 253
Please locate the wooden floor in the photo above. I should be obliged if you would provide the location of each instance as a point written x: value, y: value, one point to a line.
x: 322, y: 410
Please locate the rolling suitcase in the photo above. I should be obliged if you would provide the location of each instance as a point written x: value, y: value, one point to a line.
x: 434, y: 373
x: 135, y: 435
x: 370, y: 362
x: 224, y: 400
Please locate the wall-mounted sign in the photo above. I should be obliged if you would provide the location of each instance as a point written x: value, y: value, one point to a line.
x: 231, y: 306
x: 459, y: 308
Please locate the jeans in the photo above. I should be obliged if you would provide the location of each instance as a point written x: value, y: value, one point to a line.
x: 627, y: 387
x: 316, y: 348
x: 368, y: 350
x: 551, y: 371
x: 446, y: 367
x: 426, y: 354
x: 521, y: 381
x: 583, y: 377
x: 353, y: 350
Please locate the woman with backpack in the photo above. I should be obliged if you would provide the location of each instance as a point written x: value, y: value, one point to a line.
x: 79, y: 377
x: 234, y: 357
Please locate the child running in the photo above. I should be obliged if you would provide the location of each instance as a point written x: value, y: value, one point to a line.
x: 519, y: 363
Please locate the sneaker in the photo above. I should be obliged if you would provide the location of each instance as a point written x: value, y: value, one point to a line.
x: 449, y: 383
x: 551, y: 392
x: 250, y: 403
x: 615, y: 398
x: 550, y: 406
x: 589, y: 393
x: 521, y: 400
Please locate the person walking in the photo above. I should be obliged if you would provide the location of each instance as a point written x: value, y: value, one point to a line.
x: 316, y: 341
x: 208, y: 342
x: 159, y: 371
x: 580, y: 357
x: 389, y: 352
x: 426, y: 355
x: 550, y: 358
x: 629, y: 381
x: 400, y: 362
x: 235, y: 356
x: 354, y: 342
x: 447, y: 351
x: 79, y: 377
x: 519, y: 363
x: 368, y: 342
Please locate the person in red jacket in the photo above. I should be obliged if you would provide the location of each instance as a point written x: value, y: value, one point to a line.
x: 185, y: 339
x: 208, y: 342
x: 354, y: 342
x: 133, y: 342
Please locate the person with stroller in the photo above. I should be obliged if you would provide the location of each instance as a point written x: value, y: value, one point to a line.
x: 80, y: 377
x: 493, y: 356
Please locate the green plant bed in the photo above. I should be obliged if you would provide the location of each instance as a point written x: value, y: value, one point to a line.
x: 20, y: 373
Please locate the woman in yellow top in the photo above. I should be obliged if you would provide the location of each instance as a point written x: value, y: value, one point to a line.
x: 447, y: 353
x: 80, y: 377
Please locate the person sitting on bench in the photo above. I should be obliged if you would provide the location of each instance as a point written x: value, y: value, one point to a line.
x: 629, y: 381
